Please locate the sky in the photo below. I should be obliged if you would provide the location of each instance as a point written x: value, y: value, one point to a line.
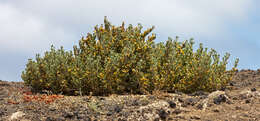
x: 28, y: 27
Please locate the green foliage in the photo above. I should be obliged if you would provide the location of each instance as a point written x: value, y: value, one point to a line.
x: 184, y: 70
x: 119, y: 59
x: 50, y: 72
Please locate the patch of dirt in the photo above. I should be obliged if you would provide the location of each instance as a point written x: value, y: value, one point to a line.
x: 239, y: 101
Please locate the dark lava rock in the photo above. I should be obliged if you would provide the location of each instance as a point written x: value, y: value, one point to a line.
x: 124, y: 114
x: 235, y: 98
x: 2, y: 112
x: 101, y: 98
x: 247, y: 101
x: 109, y: 113
x: 172, y: 104
x: 231, y: 83
x: 223, y: 88
x: 82, y: 116
x: 191, y: 101
x: 135, y: 103
x: 181, y: 100
x: 151, y: 97
x: 117, y: 109
x: 68, y: 114
x: 216, y: 110
x: 188, y: 101
x: 200, y: 106
x: 253, y: 89
x: 219, y: 99
x: 49, y: 119
x: 87, y: 118
x: 121, y: 119
x: 114, y: 109
x: 163, y: 114
x: 139, y: 102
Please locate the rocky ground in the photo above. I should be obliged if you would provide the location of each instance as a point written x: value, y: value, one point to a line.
x: 240, y: 101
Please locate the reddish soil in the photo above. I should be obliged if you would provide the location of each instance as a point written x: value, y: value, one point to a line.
x: 240, y: 101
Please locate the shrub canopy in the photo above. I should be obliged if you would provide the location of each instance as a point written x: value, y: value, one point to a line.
x: 120, y: 59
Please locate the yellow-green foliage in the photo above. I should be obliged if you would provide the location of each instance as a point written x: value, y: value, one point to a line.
x: 184, y: 70
x: 50, y: 72
x: 119, y: 59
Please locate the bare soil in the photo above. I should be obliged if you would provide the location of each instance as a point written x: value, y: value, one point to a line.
x: 240, y: 101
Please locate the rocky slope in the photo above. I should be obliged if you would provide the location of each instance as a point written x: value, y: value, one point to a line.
x: 240, y: 101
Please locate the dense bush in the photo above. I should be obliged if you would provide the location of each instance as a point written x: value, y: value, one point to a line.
x: 126, y: 60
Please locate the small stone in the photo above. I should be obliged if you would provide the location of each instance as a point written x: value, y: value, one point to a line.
x: 81, y: 116
x: 246, y: 115
x: 135, y: 103
x: 121, y: 119
x: 151, y: 97
x: 219, y: 99
x: 117, y: 109
x: 52, y: 109
x: 2, y: 112
x: 222, y: 88
x: 253, y: 89
x: 246, y: 94
x: 200, y: 106
x: 101, y: 98
x: 235, y: 98
x: 180, y: 100
x: 184, y: 105
x: 163, y: 114
x: 17, y: 115
x: 247, y: 101
x: 191, y: 101
x: 109, y: 113
x: 195, y: 117
x: 49, y: 119
x: 231, y: 83
x: 216, y: 110
x: 172, y: 104
x: 68, y: 115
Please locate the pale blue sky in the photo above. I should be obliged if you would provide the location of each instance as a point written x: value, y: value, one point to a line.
x: 28, y: 27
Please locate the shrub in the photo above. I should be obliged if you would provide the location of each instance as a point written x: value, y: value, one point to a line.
x: 182, y: 69
x: 119, y: 59
x: 49, y: 72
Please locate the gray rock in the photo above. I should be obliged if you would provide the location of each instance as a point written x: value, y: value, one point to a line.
x: 221, y: 98
x: 245, y: 94
x: 16, y: 116
x: 172, y: 104
x: 163, y: 114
